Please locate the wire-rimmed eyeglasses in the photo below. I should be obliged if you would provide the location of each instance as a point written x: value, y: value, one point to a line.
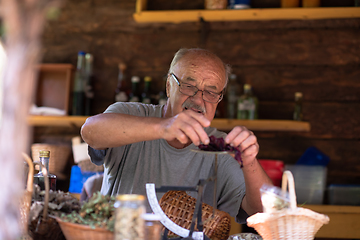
x: 191, y: 91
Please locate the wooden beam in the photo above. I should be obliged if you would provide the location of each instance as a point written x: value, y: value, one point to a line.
x: 261, y: 125
x: 178, y: 16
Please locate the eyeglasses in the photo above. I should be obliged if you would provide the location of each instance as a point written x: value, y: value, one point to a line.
x: 191, y: 91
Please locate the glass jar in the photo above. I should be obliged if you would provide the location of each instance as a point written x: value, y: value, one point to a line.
x: 153, y: 227
x: 129, y: 225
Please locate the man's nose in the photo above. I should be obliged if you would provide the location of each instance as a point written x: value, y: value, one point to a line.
x: 198, y: 96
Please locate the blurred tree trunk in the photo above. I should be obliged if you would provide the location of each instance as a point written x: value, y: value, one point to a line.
x: 23, y: 22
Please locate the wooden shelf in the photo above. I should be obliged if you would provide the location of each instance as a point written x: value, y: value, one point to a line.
x: 261, y: 125
x: 141, y: 15
x: 344, y: 221
x: 56, y: 121
x: 221, y: 124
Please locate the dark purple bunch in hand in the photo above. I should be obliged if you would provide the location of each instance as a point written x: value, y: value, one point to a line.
x: 219, y: 145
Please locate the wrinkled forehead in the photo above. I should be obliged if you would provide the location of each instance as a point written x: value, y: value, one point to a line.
x: 202, y: 64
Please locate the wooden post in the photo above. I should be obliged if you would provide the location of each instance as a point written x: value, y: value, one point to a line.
x: 23, y: 22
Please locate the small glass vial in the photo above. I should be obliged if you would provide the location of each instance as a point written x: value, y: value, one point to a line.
x: 153, y: 227
x: 298, y: 116
x: 129, y: 224
x: 39, y: 178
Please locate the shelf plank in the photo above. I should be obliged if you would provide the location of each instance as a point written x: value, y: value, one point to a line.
x: 56, y: 121
x: 178, y: 16
x: 221, y: 124
x: 344, y: 221
x: 261, y: 125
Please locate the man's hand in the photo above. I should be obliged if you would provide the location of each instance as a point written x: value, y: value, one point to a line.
x: 185, y: 127
x: 246, y: 141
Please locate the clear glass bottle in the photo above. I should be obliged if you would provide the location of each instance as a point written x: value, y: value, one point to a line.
x: 39, y: 178
x: 121, y: 91
x: 232, y: 97
x: 129, y: 224
x: 89, y: 93
x: 134, y: 95
x: 146, y: 95
x: 298, y: 115
x: 78, y: 92
x: 247, y: 104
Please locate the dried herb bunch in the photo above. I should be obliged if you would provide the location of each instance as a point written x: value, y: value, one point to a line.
x: 218, y: 144
x: 98, y: 211
x: 47, y: 228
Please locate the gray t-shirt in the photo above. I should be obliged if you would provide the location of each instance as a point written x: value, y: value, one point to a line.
x: 128, y: 168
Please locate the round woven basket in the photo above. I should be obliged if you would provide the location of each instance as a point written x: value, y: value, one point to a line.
x: 179, y: 207
x: 74, y: 231
x: 59, y: 155
x: 294, y: 223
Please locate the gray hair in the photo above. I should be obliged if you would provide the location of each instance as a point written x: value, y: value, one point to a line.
x: 183, y: 51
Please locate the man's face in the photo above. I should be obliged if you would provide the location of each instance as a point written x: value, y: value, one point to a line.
x: 202, y: 72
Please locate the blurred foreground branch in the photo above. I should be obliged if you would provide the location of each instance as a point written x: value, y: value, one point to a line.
x: 23, y: 22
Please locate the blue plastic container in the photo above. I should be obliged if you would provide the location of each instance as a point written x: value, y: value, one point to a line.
x: 78, y: 178
x: 314, y: 157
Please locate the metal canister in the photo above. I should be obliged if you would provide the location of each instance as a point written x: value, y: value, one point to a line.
x: 129, y: 225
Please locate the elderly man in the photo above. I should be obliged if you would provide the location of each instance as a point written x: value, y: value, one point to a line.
x: 140, y: 143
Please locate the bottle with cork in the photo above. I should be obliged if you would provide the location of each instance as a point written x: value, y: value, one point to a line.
x: 298, y: 115
x: 135, y: 95
x: 39, y: 178
x: 121, y: 88
x: 89, y: 93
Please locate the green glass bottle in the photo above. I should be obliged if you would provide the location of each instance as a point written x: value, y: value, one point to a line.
x: 298, y: 115
x: 89, y: 93
x: 134, y: 95
x: 146, y: 95
x: 247, y: 107
x: 78, y: 101
x: 232, y: 97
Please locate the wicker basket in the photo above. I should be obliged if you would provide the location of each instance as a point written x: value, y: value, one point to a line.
x: 179, y: 207
x: 74, y: 231
x: 288, y: 224
x: 59, y: 155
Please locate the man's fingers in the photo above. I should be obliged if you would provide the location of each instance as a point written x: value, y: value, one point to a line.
x: 188, y: 125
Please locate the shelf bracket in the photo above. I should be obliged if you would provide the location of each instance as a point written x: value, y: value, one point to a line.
x: 204, y: 31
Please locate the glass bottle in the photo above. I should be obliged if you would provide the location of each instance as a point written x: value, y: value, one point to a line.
x: 232, y: 97
x: 129, y: 223
x: 79, y: 85
x: 39, y: 178
x: 89, y: 93
x: 134, y: 95
x: 121, y: 91
x: 162, y: 98
x: 145, y: 96
x: 247, y: 107
x: 298, y: 115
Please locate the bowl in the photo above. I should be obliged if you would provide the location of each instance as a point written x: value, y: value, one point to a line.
x: 245, y: 236
x: 74, y: 231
